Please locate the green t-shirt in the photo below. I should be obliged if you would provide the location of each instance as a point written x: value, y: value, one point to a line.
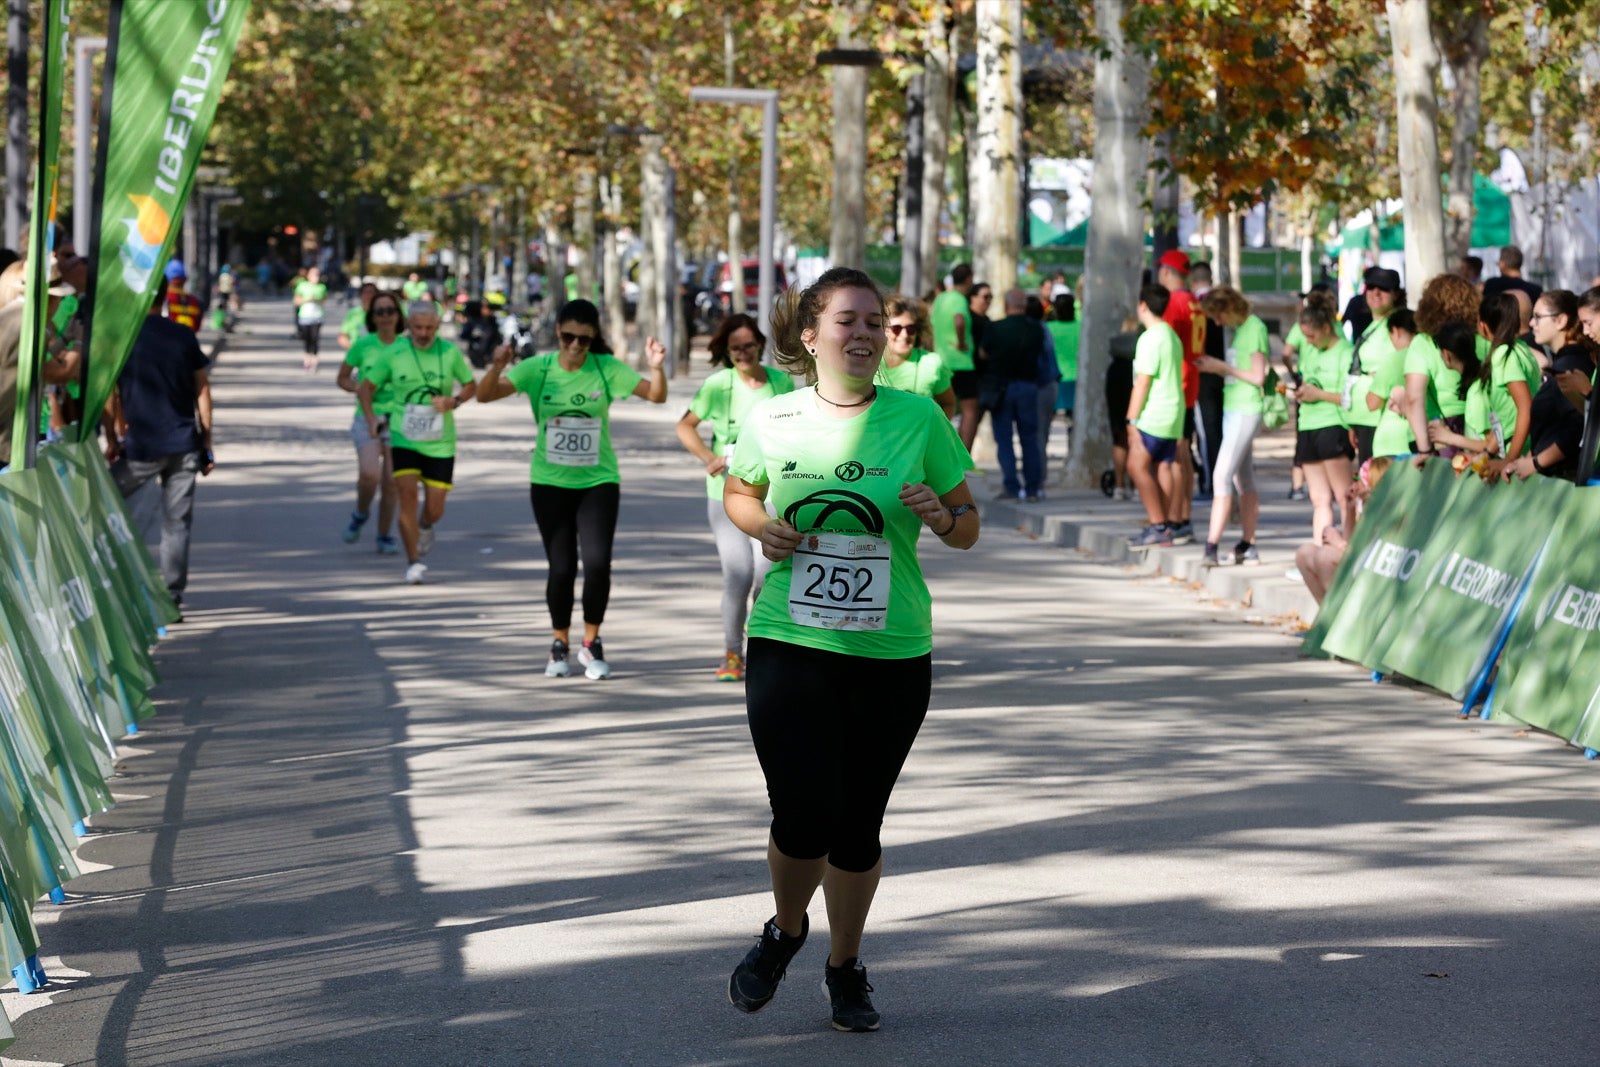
x: 311, y: 295
x: 1444, y: 384
x: 369, y: 349
x: 1475, y: 418
x: 573, y: 413
x: 1377, y: 348
x: 923, y: 373
x: 415, y: 376
x: 1325, y: 369
x: 1393, y: 436
x: 1159, y: 354
x: 354, y: 325
x: 1297, y: 341
x: 946, y: 306
x: 1065, y: 335
x: 414, y: 290
x: 1248, y: 339
x: 1509, y: 364
x: 726, y: 402
x: 843, y: 476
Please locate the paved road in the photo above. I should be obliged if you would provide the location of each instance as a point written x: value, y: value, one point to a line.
x: 364, y: 829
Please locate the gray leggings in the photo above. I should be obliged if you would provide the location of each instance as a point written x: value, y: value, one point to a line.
x: 743, y: 569
x: 1236, y: 465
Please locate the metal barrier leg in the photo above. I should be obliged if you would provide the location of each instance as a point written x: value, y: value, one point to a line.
x: 80, y: 828
x: 23, y: 973
x: 36, y: 970
x: 1377, y: 677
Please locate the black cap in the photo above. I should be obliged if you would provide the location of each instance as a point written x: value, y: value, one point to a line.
x: 1382, y: 278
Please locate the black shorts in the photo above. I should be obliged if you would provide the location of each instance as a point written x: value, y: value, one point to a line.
x: 1316, y: 446
x: 1188, y: 424
x: 433, y: 470
x: 965, y: 383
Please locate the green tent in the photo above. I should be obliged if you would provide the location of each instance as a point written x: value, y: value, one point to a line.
x: 1491, y: 222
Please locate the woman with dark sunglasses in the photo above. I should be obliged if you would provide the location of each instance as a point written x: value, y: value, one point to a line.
x: 575, y: 485
x: 383, y: 326
x: 908, y: 364
x: 725, y: 400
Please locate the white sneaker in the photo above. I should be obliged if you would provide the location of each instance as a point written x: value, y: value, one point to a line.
x: 414, y: 573
x: 557, y: 667
x: 593, y: 657
x: 424, y: 540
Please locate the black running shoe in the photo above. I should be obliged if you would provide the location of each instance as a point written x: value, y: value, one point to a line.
x: 755, y: 980
x: 847, y: 988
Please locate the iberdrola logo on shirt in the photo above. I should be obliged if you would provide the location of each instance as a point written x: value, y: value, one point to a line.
x: 812, y: 512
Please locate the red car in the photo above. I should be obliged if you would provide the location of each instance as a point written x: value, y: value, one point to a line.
x: 752, y: 282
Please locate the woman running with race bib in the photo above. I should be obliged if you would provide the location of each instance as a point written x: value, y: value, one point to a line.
x: 840, y: 667
x: 575, y: 486
x: 725, y: 401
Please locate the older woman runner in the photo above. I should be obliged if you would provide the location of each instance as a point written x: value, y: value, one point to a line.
x: 419, y: 375
x: 841, y: 637
x: 725, y: 401
x: 575, y: 487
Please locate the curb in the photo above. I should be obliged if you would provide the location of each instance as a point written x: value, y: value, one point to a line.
x: 1263, y: 589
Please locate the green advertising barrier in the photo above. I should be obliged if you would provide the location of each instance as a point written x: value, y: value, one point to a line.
x: 132, y: 669
x: 83, y: 482
x: 63, y: 604
x: 137, y: 569
x: 1461, y: 595
x: 1373, y: 581
x: 1550, y: 674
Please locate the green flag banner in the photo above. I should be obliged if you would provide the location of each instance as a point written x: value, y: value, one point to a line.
x: 41, y: 235
x: 165, y: 66
x: 82, y: 469
x: 63, y: 604
x: 1372, y: 584
x: 1550, y: 673
x: 1468, y: 578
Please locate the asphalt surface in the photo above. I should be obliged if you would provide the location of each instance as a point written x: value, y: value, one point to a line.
x: 365, y: 829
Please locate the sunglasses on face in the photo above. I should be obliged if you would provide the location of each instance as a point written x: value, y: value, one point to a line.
x: 583, y: 340
x: 386, y: 311
x: 898, y: 328
x: 744, y: 350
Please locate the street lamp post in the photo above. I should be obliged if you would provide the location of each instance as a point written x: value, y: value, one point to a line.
x: 83, y: 152
x: 768, y: 100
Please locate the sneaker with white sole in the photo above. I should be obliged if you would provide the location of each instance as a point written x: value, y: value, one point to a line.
x: 1245, y: 554
x: 1182, y: 533
x: 415, y: 573
x: 424, y: 540
x: 593, y: 657
x: 1156, y: 535
x: 557, y: 667
x: 847, y: 988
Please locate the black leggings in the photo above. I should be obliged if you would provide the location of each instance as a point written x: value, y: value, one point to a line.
x: 311, y: 334
x: 570, y: 521
x: 832, y: 732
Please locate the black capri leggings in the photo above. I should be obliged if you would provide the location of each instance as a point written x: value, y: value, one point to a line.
x: 570, y: 521
x: 311, y: 336
x: 832, y: 732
